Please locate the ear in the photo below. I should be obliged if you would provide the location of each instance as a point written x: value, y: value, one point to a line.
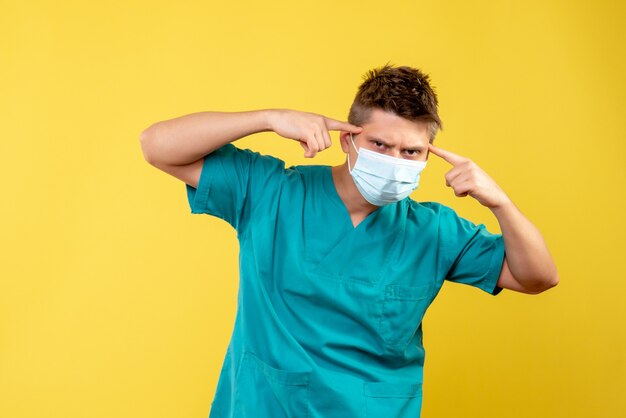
x: 344, y: 140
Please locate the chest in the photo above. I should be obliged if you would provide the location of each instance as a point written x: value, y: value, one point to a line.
x: 303, y: 231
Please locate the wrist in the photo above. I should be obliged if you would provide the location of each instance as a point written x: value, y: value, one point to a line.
x: 505, y: 205
x: 267, y: 116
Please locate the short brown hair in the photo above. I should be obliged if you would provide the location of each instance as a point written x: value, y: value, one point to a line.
x: 402, y: 90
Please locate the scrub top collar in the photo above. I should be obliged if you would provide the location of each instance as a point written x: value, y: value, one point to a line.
x: 333, y: 195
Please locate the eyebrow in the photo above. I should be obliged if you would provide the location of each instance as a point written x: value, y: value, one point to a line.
x: 373, y: 138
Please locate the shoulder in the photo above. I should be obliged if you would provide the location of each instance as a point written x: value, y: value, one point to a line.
x: 232, y: 151
x: 310, y: 169
x: 245, y: 163
x: 308, y: 173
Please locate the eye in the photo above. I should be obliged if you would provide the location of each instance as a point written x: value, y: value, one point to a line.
x: 412, y: 152
x: 379, y: 144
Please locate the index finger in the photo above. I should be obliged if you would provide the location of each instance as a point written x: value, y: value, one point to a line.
x: 337, y: 125
x: 450, y: 157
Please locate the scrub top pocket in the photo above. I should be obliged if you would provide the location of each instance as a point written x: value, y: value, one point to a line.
x: 264, y: 391
x: 396, y: 400
x: 402, y: 312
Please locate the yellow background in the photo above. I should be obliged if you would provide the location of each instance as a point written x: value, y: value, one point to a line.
x: 115, y: 301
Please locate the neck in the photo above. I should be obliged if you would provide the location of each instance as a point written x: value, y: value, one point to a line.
x: 349, y: 194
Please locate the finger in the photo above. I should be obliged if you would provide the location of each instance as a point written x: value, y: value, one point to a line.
x: 313, y: 144
x: 306, y: 149
x: 453, y: 174
x: 337, y: 125
x: 327, y: 139
x: 463, y: 189
x: 321, y: 139
x: 461, y: 179
x: 461, y: 185
x: 450, y: 157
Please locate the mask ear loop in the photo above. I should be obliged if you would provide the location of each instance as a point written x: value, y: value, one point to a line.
x: 357, y: 151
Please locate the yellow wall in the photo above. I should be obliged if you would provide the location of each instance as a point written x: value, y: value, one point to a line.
x: 115, y: 301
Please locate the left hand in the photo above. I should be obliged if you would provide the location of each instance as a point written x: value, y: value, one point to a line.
x: 467, y: 178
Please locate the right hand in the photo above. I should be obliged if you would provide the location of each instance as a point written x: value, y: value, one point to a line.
x: 310, y: 129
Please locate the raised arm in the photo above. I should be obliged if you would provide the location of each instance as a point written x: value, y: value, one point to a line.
x: 528, y: 266
x: 186, y: 139
x: 178, y: 146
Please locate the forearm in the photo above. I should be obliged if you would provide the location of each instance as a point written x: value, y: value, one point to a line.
x: 188, y: 138
x: 527, y: 254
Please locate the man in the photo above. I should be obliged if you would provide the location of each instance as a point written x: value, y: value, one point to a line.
x: 338, y: 264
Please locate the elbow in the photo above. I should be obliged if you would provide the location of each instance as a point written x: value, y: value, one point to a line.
x: 554, y: 281
x: 146, y: 139
x: 547, y: 284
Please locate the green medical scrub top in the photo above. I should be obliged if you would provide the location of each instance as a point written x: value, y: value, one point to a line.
x: 329, y: 316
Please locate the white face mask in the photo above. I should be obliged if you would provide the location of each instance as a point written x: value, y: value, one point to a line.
x: 383, y: 179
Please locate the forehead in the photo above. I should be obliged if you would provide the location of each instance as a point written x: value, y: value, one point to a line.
x: 394, y: 130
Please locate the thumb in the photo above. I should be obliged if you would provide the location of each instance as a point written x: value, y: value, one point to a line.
x: 337, y: 125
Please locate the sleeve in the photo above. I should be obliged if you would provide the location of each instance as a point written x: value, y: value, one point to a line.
x: 233, y: 182
x: 473, y: 254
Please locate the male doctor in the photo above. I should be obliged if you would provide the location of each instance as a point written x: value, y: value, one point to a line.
x: 339, y: 264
